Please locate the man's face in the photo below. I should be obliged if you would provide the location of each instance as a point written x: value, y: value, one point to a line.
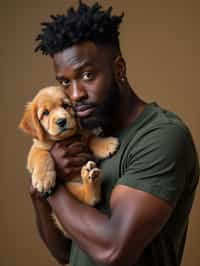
x: 86, y: 73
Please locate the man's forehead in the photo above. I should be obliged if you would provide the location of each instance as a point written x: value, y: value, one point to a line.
x: 78, y: 56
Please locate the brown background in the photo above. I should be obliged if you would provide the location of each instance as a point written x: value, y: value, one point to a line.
x: 160, y: 42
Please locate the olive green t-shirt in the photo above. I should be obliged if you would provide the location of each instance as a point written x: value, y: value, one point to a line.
x: 156, y: 155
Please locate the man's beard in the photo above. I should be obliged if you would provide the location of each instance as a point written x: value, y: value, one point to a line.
x: 106, y: 112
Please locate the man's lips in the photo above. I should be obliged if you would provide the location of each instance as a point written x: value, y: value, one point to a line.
x: 84, y: 110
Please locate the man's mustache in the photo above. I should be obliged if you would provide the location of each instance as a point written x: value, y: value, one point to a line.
x: 85, y: 105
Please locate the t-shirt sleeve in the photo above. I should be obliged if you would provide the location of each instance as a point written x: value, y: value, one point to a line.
x: 157, y: 163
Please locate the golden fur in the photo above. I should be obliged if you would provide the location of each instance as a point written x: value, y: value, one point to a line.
x: 40, y: 120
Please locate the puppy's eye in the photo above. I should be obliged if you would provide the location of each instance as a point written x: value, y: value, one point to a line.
x: 46, y: 112
x: 65, y: 105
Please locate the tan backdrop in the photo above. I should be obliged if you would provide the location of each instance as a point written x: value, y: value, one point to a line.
x: 160, y: 42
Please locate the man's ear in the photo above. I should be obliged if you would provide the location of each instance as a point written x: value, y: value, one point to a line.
x: 120, y: 68
x: 30, y: 123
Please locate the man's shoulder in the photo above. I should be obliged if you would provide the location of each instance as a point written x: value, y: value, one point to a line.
x: 160, y: 133
x: 160, y: 151
x: 157, y: 123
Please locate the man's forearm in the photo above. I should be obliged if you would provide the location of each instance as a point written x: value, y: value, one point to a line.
x: 55, y: 241
x: 90, y: 228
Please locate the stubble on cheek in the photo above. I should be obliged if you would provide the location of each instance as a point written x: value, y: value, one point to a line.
x: 104, y: 112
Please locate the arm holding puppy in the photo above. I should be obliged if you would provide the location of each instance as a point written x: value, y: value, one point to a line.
x: 73, y: 157
x: 107, y: 239
x: 57, y: 244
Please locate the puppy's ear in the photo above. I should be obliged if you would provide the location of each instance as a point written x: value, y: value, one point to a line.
x: 30, y: 123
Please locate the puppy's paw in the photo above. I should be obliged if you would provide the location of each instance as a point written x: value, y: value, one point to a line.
x: 91, y: 178
x: 105, y: 147
x: 43, y: 182
x: 90, y: 173
x: 111, y: 145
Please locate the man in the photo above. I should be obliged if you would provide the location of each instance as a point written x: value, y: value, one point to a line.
x: 148, y: 185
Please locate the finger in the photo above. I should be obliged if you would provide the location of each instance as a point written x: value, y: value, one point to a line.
x: 75, y: 148
x: 87, y: 155
x: 60, y: 150
x: 57, y: 150
x: 69, y: 173
x: 79, y: 160
x: 60, y: 145
x: 70, y: 140
x: 67, y: 142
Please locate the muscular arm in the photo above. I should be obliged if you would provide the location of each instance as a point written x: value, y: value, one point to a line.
x: 57, y: 244
x: 121, y: 238
x: 136, y: 216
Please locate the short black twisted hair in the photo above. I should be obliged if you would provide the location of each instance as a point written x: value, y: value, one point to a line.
x: 86, y: 23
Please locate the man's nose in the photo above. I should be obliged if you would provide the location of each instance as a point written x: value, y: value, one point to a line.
x: 78, y: 92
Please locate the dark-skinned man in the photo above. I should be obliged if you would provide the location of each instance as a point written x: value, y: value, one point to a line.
x: 148, y: 185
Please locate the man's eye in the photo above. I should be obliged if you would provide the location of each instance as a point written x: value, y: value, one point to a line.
x: 65, y: 83
x: 87, y: 76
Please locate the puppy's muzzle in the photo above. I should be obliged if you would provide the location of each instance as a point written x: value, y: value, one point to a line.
x: 62, y: 123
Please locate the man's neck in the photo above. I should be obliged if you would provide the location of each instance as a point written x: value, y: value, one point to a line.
x: 131, y: 106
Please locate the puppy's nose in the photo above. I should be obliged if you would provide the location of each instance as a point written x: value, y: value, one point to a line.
x: 61, y: 122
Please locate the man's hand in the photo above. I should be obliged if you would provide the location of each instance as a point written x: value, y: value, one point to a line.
x: 69, y: 157
x: 56, y: 242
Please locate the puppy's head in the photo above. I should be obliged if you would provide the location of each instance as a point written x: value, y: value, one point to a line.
x: 49, y: 116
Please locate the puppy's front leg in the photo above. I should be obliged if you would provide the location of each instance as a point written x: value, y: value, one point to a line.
x: 103, y: 147
x: 43, y: 170
x: 89, y: 191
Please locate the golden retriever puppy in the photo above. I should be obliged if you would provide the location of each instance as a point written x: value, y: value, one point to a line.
x: 49, y: 117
